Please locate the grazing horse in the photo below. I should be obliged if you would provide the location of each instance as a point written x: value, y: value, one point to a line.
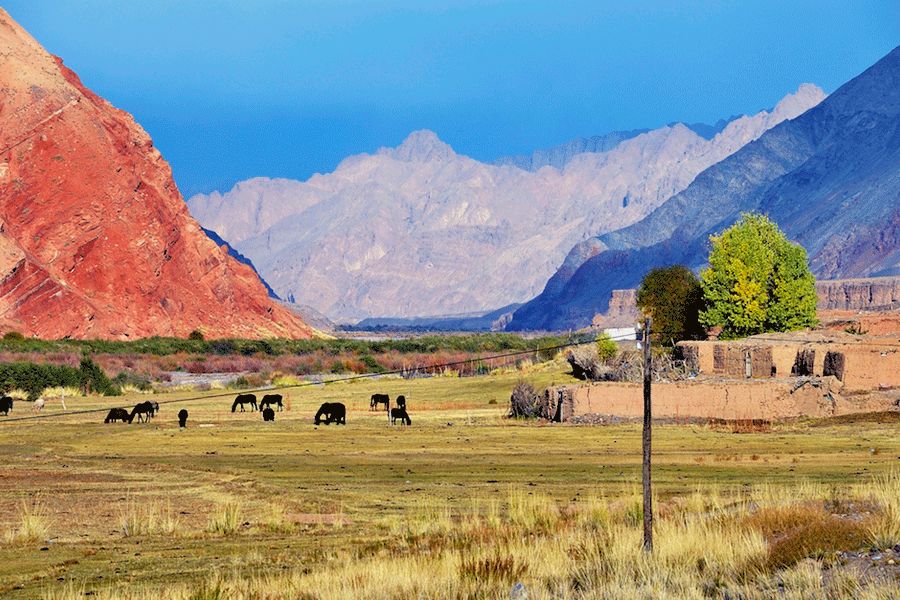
x: 243, y: 399
x: 332, y: 412
x: 401, y: 402
x: 116, y: 414
x: 154, y: 408
x: 401, y: 415
x: 38, y: 404
x: 270, y: 399
x: 182, y: 418
x: 144, y: 411
x: 268, y: 414
x: 6, y: 404
x: 379, y: 399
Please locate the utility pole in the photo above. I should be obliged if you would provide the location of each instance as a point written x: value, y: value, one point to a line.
x: 648, y: 496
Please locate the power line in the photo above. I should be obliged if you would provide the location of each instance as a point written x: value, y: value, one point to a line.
x: 339, y: 380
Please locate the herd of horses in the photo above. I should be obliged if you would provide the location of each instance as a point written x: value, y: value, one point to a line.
x: 397, y: 414
x: 329, y: 412
x: 144, y: 411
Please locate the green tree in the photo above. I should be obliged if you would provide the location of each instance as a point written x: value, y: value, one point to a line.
x: 757, y: 281
x: 673, y: 298
x: 606, y: 347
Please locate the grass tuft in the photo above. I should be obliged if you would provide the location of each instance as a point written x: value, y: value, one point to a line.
x: 225, y: 519
x: 34, y: 524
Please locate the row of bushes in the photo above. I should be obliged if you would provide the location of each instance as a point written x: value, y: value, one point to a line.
x: 161, y: 346
x: 35, y: 378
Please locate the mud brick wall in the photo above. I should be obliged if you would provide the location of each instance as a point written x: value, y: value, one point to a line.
x: 804, y: 363
x: 737, y: 400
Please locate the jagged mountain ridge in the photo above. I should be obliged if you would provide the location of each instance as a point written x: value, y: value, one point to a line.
x: 830, y: 178
x: 419, y: 230
x: 95, y: 240
x: 559, y: 156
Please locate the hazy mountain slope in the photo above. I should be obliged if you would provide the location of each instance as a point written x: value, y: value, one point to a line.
x: 559, y: 156
x: 418, y: 230
x: 221, y: 243
x: 95, y: 240
x: 830, y: 178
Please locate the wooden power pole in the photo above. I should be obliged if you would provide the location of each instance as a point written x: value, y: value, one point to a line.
x: 648, y: 495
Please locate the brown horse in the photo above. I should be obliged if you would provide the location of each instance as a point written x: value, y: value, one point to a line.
x: 144, y: 411
x: 400, y: 414
x: 379, y: 399
x: 116, y: 414
x: 331, y: 412
x: 243, y: 399
x: 269, y: 400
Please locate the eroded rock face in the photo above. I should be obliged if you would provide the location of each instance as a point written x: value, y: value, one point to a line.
x: 876, y: 293
x: 622, y: 312
x: 95, y: 239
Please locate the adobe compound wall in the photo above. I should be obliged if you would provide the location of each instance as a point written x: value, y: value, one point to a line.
x: 860, y: 365
x: 730, y: 400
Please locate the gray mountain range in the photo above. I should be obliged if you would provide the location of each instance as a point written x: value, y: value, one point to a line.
x: 418, y: 230
x: 830, y: 178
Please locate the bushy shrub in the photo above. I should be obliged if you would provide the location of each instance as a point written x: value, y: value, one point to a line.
x: 371, y: 364
x: 196, y: 335
x: 35, y: 378
x: 586, y: 363
x: 606, y: 347
x: 134, y: 380
x: 526, y: 403
x: 94, y: 380
x: 13, y: 336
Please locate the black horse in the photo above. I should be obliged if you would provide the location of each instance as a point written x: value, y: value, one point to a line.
x: 379, y: 399
x: 143, y: 411
x: 6, y: 404
x: 116, y: 414
x: 182, y: 418
x: 332, y: 412
x: 268, y: 414
x: 154, y: 408
x: 401, y: 402
x: 269, y: 400
x: 243, y: 399
x: 400, y: 414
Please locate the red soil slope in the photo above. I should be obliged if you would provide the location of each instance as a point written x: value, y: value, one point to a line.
x: 95, y: 239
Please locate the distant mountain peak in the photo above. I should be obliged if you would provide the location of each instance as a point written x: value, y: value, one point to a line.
x: 794, y: 105
x: 420, y: 146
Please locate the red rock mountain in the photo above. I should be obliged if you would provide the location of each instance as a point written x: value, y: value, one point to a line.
x: 95, y: 239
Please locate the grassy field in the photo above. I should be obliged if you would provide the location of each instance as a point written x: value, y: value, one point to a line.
x: 464, y: 503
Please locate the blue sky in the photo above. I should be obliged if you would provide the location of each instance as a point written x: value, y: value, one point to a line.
x: 233, y: 89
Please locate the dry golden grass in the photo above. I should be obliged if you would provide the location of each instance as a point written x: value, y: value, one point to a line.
x: 463, y: 504
x: 141, y: 516
x: 799, y: 532
x: 225, y: 519
x: 33, y: 524
x: 884, y: 528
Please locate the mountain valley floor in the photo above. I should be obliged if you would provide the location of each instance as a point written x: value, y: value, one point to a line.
x: 463, y: 504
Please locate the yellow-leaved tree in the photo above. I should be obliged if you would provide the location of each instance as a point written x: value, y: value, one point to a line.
x: 757, y: 281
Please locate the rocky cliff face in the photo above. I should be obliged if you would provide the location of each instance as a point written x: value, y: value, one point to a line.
x: 95, y: 240
x: 872, y: 294
x: 830, y: 178
x: 877, y: 294
x: 419, y: 230
x: 622, y: 311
